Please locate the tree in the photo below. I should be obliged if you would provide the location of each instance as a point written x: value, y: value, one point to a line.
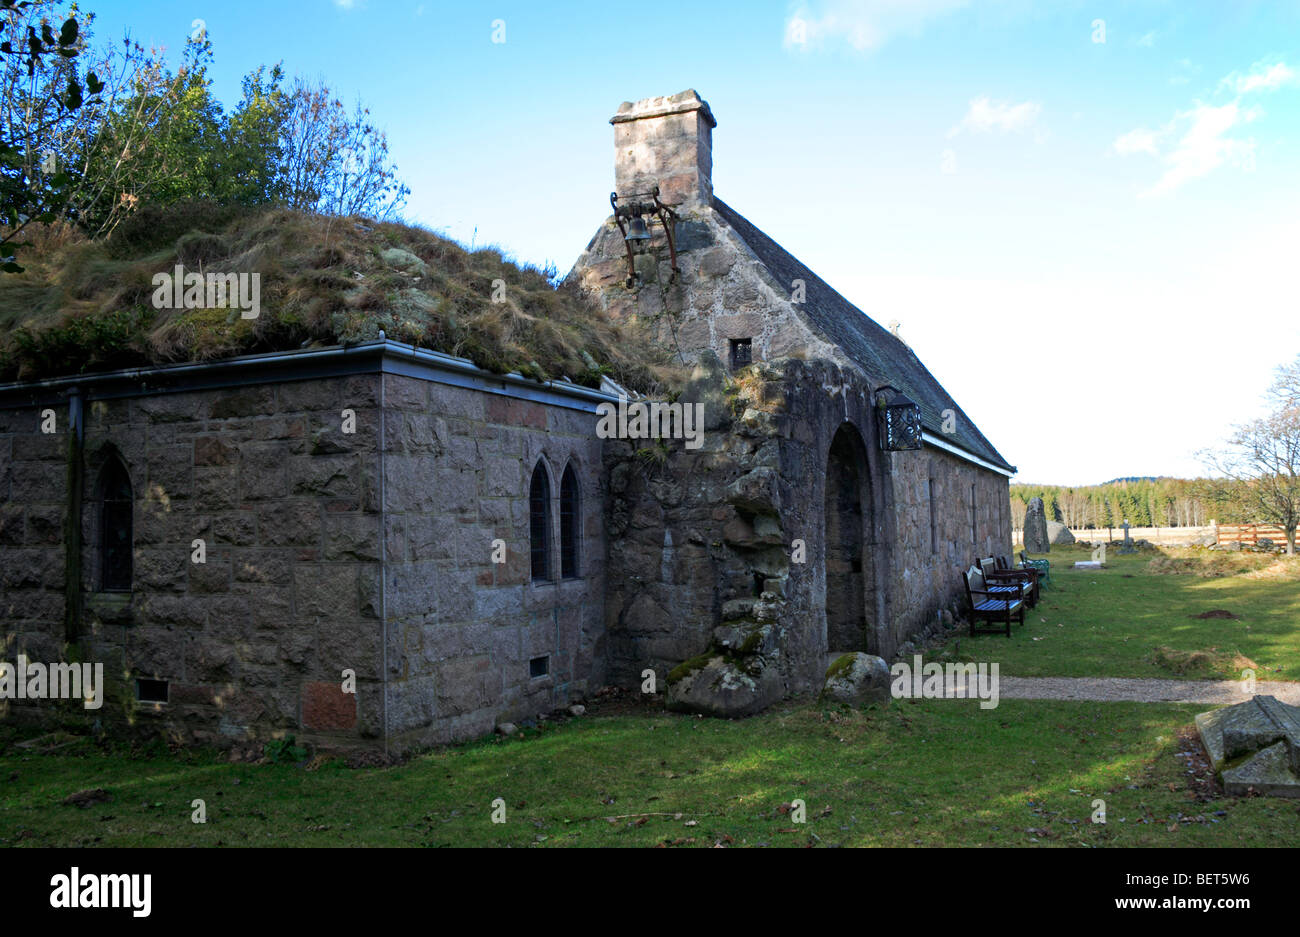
x: 254, y: 145
x: 151, y: 135
x: 1018, y: 508
x: 1260, y: 467
x: 156, y: 136
x: 333, y: 163
x: 39, y: 88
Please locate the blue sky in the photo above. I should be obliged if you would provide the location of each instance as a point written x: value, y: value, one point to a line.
x: 1085, y: 216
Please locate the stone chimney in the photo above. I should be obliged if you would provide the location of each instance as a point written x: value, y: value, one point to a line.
x: 668, y: 141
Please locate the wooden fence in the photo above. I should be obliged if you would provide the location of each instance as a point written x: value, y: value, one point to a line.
x: 1164, y: 536
x: 1250, y: 533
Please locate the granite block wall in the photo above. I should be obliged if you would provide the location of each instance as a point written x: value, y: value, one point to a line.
x: 463, y: 628
x: 346, y: 528
x: 738, y: 528
x: 276, y: 492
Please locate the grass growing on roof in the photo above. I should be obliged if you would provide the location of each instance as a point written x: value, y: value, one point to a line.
x: 88, y: 305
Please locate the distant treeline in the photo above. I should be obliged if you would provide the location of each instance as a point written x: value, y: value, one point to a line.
x: 1144, y: 502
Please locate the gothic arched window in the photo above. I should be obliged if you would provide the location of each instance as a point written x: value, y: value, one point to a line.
x: 115, y: 527
x: 539, y: 523
x: 570, y: 524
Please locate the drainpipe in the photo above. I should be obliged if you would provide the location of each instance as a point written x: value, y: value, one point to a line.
x: 72, y: 520
x: 383, y: 552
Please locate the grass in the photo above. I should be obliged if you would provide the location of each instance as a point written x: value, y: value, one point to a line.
x: 1135, y: 618
x: 89, y: 305
x: 915, y: 772
x: 923, y: 773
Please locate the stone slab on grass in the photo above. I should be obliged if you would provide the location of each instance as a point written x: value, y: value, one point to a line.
x: 1254, y: 746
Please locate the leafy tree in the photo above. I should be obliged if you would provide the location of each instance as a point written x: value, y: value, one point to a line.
x: 148, y: 134
x: 254, y: 141
x: 39, y: 87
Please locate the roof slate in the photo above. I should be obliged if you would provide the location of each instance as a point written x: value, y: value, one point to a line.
x: 883, y: 356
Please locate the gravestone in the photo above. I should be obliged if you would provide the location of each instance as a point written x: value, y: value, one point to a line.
x: 1255, y: 746
x: 1036, y: 528
x: 1128, y: 541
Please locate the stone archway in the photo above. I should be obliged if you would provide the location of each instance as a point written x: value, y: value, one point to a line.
x: 850, y: 565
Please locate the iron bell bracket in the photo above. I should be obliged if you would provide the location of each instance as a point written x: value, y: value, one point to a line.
x: 636, y: 208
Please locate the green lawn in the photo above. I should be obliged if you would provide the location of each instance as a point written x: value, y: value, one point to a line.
x: 1109, y: 623
x: 924, y: 773
x: 913, y: 773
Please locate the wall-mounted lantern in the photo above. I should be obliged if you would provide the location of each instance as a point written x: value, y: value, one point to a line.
x: 634, y: 217
x: 900, y: 420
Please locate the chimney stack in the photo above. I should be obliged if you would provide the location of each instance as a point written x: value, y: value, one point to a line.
x: 666, y: 141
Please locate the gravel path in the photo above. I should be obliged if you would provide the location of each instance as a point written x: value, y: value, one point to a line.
x: 1141, y: 691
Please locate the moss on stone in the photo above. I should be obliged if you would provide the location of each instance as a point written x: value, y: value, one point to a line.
x: 688, y: 667
x: 841, y: 665
x: 751, y: 643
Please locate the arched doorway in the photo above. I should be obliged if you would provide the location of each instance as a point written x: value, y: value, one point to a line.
x: 850, y: 566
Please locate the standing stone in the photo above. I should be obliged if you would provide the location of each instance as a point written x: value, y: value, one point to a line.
x: 1058, y: 534
x: 1036, y: 528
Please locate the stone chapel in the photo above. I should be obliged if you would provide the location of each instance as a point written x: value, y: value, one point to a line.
x: 474, y: 551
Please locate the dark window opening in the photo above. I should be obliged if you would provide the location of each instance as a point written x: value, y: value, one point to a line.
x: 972, y: 514
x: 539, y: 523
x: 570, y: 524
x: 115, y: 535
x: 151, y: 691
x: 758, y: 585
x: 539, y: 667
x: 742, y: 352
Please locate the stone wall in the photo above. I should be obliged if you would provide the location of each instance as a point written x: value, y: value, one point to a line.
x: 463, y: 629
x: 720, y: 294
x: 253, y: 640
x: 32, y: 496
x: 683, y: 556
x: 707, y: 541
x: 928, y: 576
x: 283, y: 482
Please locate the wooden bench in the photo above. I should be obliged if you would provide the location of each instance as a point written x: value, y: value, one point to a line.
x: 1006, y: 570
x: 992, y: 607
x: 1014, y: 582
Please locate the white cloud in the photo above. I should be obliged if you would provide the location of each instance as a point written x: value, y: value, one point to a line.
x: 1148, y: 40
x: 1205, y: 146
x: 985, y: 116
x: 1137, y: 141
x: 1261, y: 78
x: 865, y: 25
x: 1207, y: 141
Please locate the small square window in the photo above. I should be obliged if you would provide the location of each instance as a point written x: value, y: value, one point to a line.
x: 151, y: 691
x: 539, y: 667
x: 742, y: 352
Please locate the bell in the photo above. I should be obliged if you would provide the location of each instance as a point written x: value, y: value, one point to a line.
x: 637, y: 231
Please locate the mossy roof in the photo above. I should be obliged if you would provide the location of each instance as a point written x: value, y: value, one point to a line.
x: 85, y: 306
